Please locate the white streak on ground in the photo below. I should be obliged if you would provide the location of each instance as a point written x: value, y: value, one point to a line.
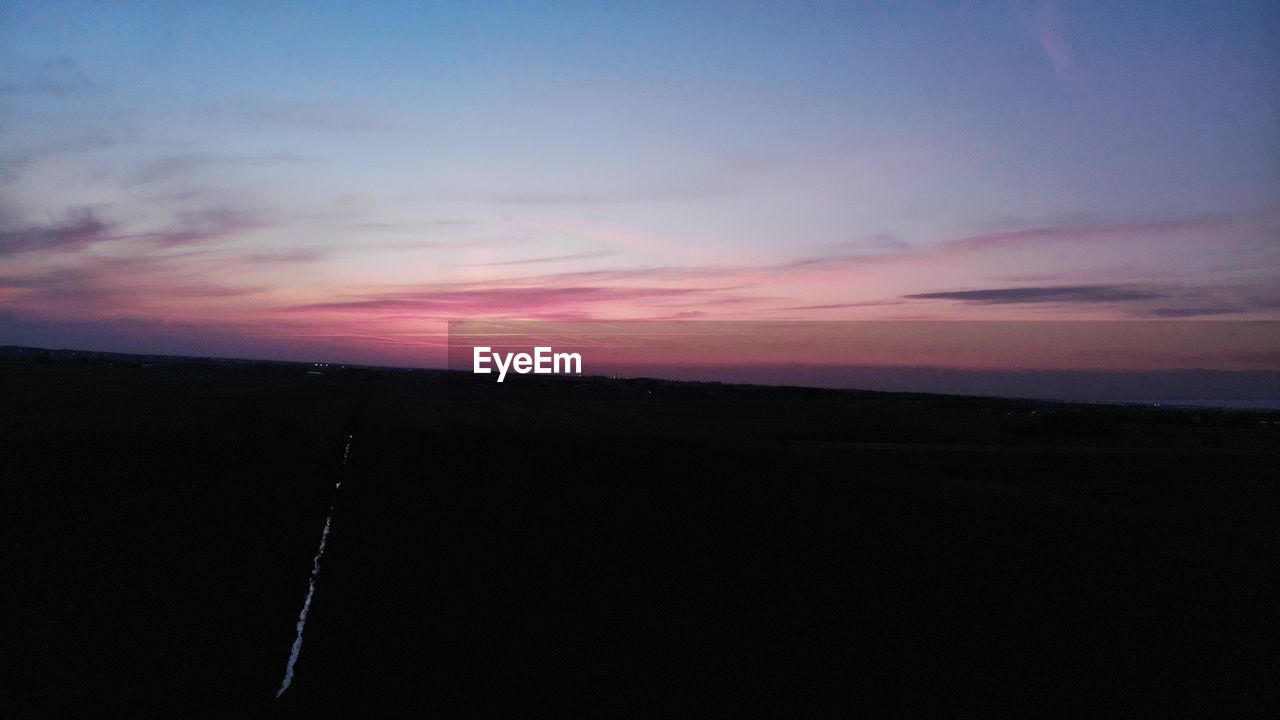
x: 311, y: 586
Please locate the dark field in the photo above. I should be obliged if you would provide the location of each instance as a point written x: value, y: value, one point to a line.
x: 620, y: 548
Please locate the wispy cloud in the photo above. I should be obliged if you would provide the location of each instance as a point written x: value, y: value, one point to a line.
x: 299, y: 255
x: 1189, y: 312
x: 843, y: 306
x: 672, y: 191
x: 314, y: 115
x: 453, y: 301
x: 15, y: 162
x: 57, y: 76
x: 1087, y: 231
x: 550, y: 259
x: 80, y: 229
x: 1048, y: 30
x: 203, y: 226
x: 188, y: 163
x: 118, y: 285
x: 1055, y: 294
x: 1164, y: 301
x: 877, y: 244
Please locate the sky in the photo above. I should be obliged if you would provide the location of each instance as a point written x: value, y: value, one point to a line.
x: 337, y: 181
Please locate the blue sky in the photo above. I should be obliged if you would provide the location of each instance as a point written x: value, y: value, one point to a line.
x: 338, y: 179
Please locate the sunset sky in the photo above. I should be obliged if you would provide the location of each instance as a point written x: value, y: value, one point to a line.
x: 336, y: 181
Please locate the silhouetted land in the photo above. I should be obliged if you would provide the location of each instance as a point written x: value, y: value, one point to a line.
x: 627, y: 548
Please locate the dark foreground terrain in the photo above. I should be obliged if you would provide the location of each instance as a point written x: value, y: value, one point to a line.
x: 622, y: 548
